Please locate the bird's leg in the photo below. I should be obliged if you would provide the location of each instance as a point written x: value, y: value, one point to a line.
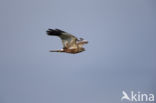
x: 62, y: 50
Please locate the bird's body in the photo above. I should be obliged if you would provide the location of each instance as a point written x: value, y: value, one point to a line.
x: 70, y: 43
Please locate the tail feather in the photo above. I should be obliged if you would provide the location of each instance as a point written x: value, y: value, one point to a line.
x: 54, y: 32
x: 57, y: 50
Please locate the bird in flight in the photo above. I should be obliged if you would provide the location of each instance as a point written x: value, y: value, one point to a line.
x: 71, y: 44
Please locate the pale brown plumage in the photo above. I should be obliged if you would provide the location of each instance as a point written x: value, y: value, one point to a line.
x: 70, y: 43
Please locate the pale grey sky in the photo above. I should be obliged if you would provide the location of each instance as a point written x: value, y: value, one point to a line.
x: 120, y: 54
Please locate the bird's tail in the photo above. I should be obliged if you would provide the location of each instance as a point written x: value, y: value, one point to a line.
x: 54, y: 32
x: 57, y: 50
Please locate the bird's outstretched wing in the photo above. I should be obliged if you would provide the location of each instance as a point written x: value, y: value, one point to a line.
x: 68, y: 40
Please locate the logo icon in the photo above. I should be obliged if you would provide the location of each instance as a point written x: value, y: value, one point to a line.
x: 125, y: 96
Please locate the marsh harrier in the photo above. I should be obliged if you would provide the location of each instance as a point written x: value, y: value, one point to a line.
x: 71, y: 44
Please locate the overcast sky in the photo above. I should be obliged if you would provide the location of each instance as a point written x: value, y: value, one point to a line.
x: 121, y: 54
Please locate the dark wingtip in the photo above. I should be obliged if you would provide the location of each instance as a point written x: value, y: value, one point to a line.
x: 55, y: 32
x: 50, y: 31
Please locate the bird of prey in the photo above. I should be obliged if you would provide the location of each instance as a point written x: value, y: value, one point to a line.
x: 71, y: 44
